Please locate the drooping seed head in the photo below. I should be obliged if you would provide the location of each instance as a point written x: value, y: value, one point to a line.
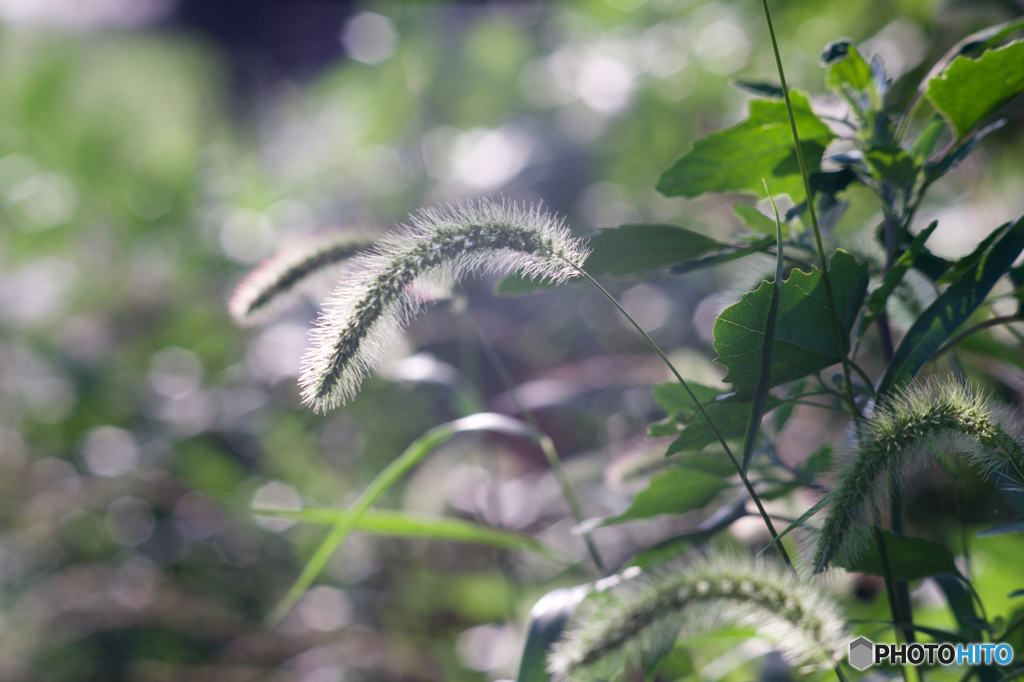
x: 639, y: 619
x: 441, y: 247
x: 274, y: 284
x: 929, y: 418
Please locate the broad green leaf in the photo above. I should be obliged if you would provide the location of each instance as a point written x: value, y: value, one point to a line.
x: 758, y: 221
x: 951, y: 309
x: 805, y: 339
x: 730, y: 418
x: 963, y: 150
x: 909, y: 557
x: 518, y: 283
x: 724, y: 256
x: 722, y: 518
x: 847, y: 70
x: 712, y: 463
x: 547, y: 620
x: 675, y: 491
x: 631, y: 249
x: 971, y: 46
x: 759, y: 402
x: 928, y: 137
x: 673, y: 398
x: 412, y: 525
x: 737, y: 158
x: 819, y: 462
x: 971, y: 89
x: 892, y: 279
x: 893, y: 164
x: 964, y: 264
x: 961, y: 604
x: 412, y: 455
x: 785, y: 411
x: 759, y: 88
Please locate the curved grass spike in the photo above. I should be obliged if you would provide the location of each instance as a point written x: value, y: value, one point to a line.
x: 638, y: 620
x: 273, y: 284
x: 953, y: 416
x: 441, y: 247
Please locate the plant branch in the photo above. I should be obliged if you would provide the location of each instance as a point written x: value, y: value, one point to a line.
x: 739, y: 469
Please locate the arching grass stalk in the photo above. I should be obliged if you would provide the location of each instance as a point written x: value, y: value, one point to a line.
x: 274, y: 283
x: 739, y: 468
x: 949, y: 416
x: 638, y: 620
x: 840, y: 334
x: 441, y: 247
x: 547, y: 446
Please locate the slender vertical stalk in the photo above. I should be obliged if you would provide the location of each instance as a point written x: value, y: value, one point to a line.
x: 840, y: 333
x: 739, y: 468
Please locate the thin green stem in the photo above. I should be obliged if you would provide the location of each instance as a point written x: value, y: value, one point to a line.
x: 864, y: 376
x: 993, y: 322
x: 568, y: 492
x: 840, y: 334
x: 739, y: 469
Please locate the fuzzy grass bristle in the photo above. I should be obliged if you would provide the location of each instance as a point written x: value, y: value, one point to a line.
x: 639, y: 619
x: 442, y: 246
x: 928, y: 418
x: 274, y: 284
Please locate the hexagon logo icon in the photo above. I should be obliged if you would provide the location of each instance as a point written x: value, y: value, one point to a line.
x: 862, y: 653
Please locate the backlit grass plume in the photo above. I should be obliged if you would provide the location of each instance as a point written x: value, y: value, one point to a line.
x: 274, y: 282
x: 930, y: 417
x: 638, y: 620
x: 441, y: 247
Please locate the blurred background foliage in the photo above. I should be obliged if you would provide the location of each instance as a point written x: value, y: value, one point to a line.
x: 151, y: 152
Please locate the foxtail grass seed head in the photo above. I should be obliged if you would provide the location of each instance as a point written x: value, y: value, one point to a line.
x: 929, y: 418
x: 442, y: 246
x: 640, y: 618
x: 276, y: 282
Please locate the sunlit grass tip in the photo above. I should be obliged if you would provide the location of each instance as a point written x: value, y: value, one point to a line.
x: 276, y: 282
x: 638, y: 620
x: 441, y: 246
x: 929, y: 418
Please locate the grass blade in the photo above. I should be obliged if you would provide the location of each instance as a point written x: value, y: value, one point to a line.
x: 950, y: 310
x: 419, y: 449
x: 796, y: 524
x: 761, y: 392
x: 411, y: 525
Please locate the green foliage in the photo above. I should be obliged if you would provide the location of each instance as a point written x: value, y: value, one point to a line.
x: 908, y: 558
x: 971, y: 89
x: 953, y: 307
x: 799, y: 346
x: 161, y: 486
x: 675, y: 491
x: 632, y: 249
x: 758, y: 150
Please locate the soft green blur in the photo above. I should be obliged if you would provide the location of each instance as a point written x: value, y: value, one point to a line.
x: 138, y: 424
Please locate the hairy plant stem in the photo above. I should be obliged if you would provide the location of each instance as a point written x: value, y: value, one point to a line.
x: 739, y: 469
x: 568, y: 492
